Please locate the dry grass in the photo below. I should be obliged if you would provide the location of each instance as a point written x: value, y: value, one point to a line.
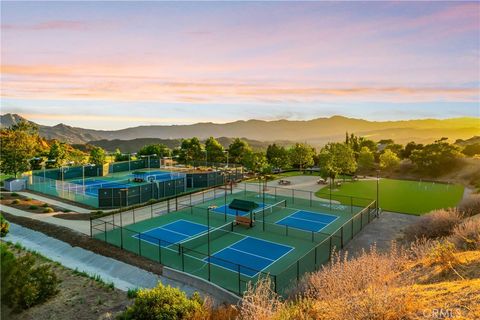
x: 421, y: 282
x: 466, y: 236
x: 470, y: 206
x: 435, y: 224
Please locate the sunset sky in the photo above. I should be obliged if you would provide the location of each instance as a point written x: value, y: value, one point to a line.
x: 108, y: 65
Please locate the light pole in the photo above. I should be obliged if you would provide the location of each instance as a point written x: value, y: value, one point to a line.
x: 378, y: 190
x: 226, y: 151
x: 206, y: 158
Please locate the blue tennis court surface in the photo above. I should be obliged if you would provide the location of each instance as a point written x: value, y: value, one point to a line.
x: 171, y: 233
x: 232, y: 212
x: 251, y: 255
x: 307, y: 220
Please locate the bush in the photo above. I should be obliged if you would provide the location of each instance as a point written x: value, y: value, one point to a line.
x: 466, y: 236
x: 164, y: 302
x: 16, y: 201
x: 4, y: 226
x: 48, y: 210
x: 470, y: 206
x: 45, y: 205
x: 14, y: 194
x: 33, y: 207
x: 435, y: 224
x: 24, y: 284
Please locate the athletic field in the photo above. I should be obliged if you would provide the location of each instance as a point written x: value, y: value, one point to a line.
x: 413, y: 197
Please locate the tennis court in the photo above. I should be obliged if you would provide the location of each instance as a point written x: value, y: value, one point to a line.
x: 287, y: 237
x: 249, y: 256
x: 171, y: 233
x: 308, y: 220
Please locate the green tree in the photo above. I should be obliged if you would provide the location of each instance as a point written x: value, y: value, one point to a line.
x: 366, y: 160
x: 409, y: 148
x: 97, y: 156
x: 395, y: 148
x: 164, y: 303
x: 471, y: 149
x: 277, y: 156
x: 301, y: 155
x: 119, y: 156
x: 19, y: 145
x: 337, y: 158
x: 256, y: 162
x: 159, y: 149
x: 238, y: 150
x: 57, y: 155
x: 436, y: 158
x: 191, y: 150
x: 214, y: 150
x: 389, y: 160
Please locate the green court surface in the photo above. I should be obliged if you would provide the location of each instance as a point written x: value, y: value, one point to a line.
x: 270, y: 249
x: 413, y: 197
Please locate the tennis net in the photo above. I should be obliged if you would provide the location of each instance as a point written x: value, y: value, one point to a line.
x: 267, y: 210
x: 199, y: 240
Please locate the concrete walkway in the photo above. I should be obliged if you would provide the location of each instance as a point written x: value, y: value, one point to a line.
x: 77, y: 225
x: 123, y: 276
x: 55, y: 202
x: 381, y: 231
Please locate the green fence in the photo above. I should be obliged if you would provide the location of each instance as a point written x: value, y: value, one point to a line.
x: 191, y: 257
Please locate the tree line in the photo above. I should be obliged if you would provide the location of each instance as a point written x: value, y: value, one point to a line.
x: 23, y: 149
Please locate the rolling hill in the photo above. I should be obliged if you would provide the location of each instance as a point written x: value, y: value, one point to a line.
x: 316, y: 131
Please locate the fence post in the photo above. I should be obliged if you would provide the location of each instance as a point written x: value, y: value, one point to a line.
x: 121, y: 237
x: 176, y: 204
x: 151, y: 210
x: 133, y: 214
x: 105, y: 228
x: 91, y: 232
x: 139, y: 244
x: 239, y: 280
x: 159, y: 251
x: 275, y: 284
x: 352, y: 228
x: 298, y: 270
x: 341, y: 237
x: 351, y: 205
x: 183, y: 258
x: 330, y: 251
x: 361, y: 220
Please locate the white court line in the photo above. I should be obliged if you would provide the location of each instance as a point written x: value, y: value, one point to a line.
x: 251, y: 254
x: 250, y: 268
x: 136, y: 236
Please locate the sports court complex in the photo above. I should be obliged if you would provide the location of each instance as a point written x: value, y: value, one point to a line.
x: 233, y: 235
x: 122, y: 184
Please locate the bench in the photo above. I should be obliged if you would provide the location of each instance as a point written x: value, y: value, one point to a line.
x: 284, y: 182
x: 245, y: 221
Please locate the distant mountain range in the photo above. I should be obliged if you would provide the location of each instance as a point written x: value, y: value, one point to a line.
x: 316, y: 131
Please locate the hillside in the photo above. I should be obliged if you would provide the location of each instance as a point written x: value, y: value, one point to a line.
x: 316, y: 131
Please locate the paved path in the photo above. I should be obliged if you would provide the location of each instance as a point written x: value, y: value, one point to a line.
x: 55, y: 202
x: 123, y: 276
x: 381, y: 231
x: 77, y: 225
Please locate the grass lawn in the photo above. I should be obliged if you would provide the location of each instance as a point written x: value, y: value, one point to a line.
x: 404, y: 196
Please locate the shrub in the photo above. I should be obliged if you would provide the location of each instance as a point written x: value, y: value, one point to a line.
x: 16, y: 201
x: 260, y: 301
x: 470, y: 206
x: 48, y: 210
x: 164, y: 302
x: 4, y: 226
x: 132, y: 293
x: 33, y: 207
x: 45, y: 205
x: 14, y: 194
x: 435, y: 224
x: 24, y: 284
x: 466, y: 236
x: 443, y: 254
